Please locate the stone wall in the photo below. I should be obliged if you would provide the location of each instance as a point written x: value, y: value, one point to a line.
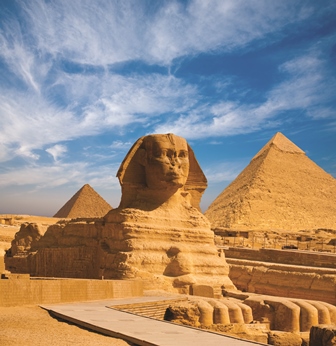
x: 284, y: 280
x: 21, y: 290
x: 305, y: 258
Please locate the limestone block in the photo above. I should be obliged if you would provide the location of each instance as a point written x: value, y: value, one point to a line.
x: 287, y: 315
x: 283, y: 314
x: 308, y: 315
x: 203, y: 291
x: 332, y: 311
x: 235, y: 311
x: 206, y: 313
x: 184, y: 312
x: 246, y: 311
x: 323, y: 312
x: 294, y: 283
x: 261, y: 310
x: 278, y: 338
x: 221, y: 312
x: 322, y: 335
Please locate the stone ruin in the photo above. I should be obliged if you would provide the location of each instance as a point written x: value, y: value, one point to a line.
x: 158, y: 235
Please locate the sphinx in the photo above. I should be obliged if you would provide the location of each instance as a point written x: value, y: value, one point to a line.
x: 158, y: 227
x: 157, y: 234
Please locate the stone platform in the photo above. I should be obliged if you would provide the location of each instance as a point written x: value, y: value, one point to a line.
x: 103, y: 317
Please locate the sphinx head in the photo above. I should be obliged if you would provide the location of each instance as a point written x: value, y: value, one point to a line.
x: 165, y: 159
x: 160, y: 164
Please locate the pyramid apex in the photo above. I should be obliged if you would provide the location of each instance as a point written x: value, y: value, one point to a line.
x: 86, y: 202
x: 282, y: 143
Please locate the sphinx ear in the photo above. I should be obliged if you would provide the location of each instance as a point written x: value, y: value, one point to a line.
x: 142, y: 157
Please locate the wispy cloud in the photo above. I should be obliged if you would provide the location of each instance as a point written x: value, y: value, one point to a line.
x: 50, y: 176
x: 57, y: 151
x: 305, y: 87
x: 117, y: 102
x: 57, y: 106
x: 106, y: 32
x: 180, y: 29
x: 225, y: 171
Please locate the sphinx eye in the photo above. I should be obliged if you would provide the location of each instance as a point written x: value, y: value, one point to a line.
x: 169, y: 153
x: 159, y: 153
x: 183, y: 154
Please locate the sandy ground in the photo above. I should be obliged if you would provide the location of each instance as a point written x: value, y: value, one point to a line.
x: 32, y: 325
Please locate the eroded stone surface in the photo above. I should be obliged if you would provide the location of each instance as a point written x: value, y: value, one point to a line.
x: 322, y: 335
x: 295, y: 281
x: 278, y: 338
x: 158, y: 228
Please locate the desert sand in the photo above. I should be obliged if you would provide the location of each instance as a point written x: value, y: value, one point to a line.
x: 32, y: 325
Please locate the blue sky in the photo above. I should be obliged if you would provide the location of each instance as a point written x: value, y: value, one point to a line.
x: 81, y: 80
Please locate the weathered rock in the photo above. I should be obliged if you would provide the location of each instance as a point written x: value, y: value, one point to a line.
x: 322, y: 335
x: 186, y: 313
x: 158, y: 227
x: 252, y: 332
x: 288, y: 314
x: 27, y: 238
x: 295, y: 281
x: 278, y: 338
x: 281, y: 188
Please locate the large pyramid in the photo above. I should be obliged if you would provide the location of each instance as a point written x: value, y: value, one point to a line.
x: 281, y: 188
x: 86, y: 203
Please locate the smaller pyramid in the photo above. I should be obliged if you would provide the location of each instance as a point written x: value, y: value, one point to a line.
x: 85, y: 203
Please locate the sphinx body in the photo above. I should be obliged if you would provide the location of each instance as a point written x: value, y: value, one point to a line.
x: 158, y: 226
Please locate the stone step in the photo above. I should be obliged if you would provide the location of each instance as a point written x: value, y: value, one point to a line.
x: 155, y: 310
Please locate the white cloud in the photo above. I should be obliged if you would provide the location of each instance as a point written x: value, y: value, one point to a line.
x: 214, y: 121
x: 60, y: 174
x: 41, y: 175
x: 26, y: 151
x: 57, y: 106
x: 107, y: 32
x: 121, y: 145
x: 198, y: 26
x: 224, y: 171
x: 29, y: 122
x: 306, y: 87
x: 57, y: 151
x: 114, y: 102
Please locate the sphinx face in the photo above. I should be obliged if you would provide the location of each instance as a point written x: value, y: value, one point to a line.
x: 167, y: 163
